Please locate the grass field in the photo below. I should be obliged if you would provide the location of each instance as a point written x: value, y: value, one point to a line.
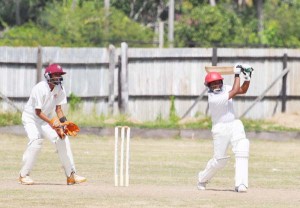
x: 163, y: 174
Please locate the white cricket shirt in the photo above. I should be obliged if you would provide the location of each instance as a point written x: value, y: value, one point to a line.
x: 41, y: 97
x: 221, y: 109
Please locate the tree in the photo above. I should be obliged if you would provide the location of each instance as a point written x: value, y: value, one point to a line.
x: 144, y: 12
x: 30, y: 34
x: 206, y: 26
x: 79, y: 26
x: 281, y: 23
x: 17, y: 12
x: 200, y: 23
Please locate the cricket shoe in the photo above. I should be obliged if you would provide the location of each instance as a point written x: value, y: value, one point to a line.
x: 74, y: 178
x: 201, y: 186
x: 25, y: 180
x: 241, y: 188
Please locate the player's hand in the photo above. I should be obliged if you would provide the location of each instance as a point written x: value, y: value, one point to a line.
x: 247, y: 68
x: 60, y: 132
x: 247, y: 76
x: 54, y: 123
x: 237, y: 68
x: 247, y: 71
x: 58, y: 127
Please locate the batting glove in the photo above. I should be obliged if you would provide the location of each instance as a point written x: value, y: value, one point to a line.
x: 247, y: 68
x: 247, y: 71
x: 247, y: 76
x: 237, y: 68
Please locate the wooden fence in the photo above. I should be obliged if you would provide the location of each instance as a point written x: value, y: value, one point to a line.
x: 141, y: 81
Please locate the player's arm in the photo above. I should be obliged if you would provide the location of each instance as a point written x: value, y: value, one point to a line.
x: 53, y: 123
x: 60, y: 114
x: 244, y: 87
x: 236, y: 86
x: 247, y: 72
x: 237, y: 89
x: 41, y: 115
x: 70, y: 128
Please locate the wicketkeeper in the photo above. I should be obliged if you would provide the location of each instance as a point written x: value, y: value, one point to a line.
x: 226, y: 129
x: 46, y: 97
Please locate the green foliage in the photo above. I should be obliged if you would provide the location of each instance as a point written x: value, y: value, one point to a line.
x: 208, y: 25
x: 30, y: 34
x: 229, y: 25
x: 282, y: 24
x: 82, y: 26
x: 87, y: 25
x: 143, y: 12
x: 7, y: 119
x: 74, y: 102
x: 173, y: 115
x: 122, y: 28
x: 28, y: 10
x: 69, y: 23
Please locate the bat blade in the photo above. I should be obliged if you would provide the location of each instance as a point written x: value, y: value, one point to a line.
x: 224, y: 70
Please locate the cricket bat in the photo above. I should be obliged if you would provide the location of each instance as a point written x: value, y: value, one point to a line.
x: 224, y: 70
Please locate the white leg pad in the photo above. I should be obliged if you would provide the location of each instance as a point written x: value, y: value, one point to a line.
x: 65, y: 155
x: 241, y: 150
x: 211, y: 168
x: 30, y: 156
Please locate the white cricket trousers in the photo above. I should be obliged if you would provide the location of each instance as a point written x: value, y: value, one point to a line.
x: 37, y: 130
x: 225, y: 134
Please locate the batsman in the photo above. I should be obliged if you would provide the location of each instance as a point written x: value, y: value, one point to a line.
x: 46, y: 97
x: 226, y: 128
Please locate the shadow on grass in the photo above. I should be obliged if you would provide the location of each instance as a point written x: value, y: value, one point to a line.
x: 48, y: 184
x: 212, y: 189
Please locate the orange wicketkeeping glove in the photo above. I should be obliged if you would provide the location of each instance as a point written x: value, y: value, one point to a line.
x: 70, y: 128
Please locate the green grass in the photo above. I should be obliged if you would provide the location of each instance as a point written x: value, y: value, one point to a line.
x: 163, y: 173
x: 93, y: 120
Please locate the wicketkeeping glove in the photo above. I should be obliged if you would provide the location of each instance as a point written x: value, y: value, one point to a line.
x: 70, y: 128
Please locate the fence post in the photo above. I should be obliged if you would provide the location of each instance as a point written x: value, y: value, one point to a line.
x: 283, y: 89
x: 161, y: 34
x: 39, y: 65
x: 214, y: 58
x: 112, y: 66
x: 123, y: 96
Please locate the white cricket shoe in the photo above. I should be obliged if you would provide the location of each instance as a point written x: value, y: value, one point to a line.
x: 74, y: 178
x: 25, y: 180
x: 241, y: 188
x: 201, y: 186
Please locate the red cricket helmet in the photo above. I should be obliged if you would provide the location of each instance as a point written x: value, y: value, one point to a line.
x: 54, y: 68
x: 212, y: 76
